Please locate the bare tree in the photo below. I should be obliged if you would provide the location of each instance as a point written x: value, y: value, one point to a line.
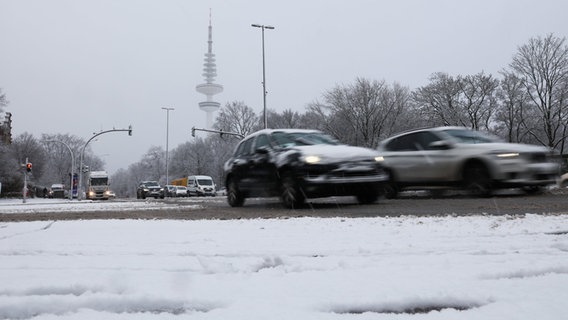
x: 542, y: 65
x: 3, y: 101
x: 286, y: 119
x: 238, y: 118
x: 511, y: 113
x: 478, y: 99
x: 58, y: 158
x: 361, y: 113
x: 153, y: 164
x: 438, y: 102
x: 467, y: 101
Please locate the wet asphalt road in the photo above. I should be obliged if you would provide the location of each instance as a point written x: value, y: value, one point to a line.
x: 414, y: 204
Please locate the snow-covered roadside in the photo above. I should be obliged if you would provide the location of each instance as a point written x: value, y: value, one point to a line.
x: 476, y: 267
x: 64, y: 205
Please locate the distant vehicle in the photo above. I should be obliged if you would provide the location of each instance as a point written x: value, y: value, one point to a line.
x: 464, y: 158
x: 111, y: 194
x: 200, y: 186
x: 222, y: 192
x: 98, y: 185
x: 181, y: 191
x: 57, y: 190
x: 563, y: 182
x: 297, y: 164
x: 149, y: 189
x: 170, y: 190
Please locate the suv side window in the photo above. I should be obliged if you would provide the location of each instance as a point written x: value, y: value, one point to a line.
x: 244, y: 148
x: 404, y: 143
x: 261, y: 141
x: 424, y: 139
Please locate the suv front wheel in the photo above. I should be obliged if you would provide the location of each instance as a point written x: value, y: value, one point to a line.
x: 234, y: 195
x: 477, y: 179
x: 291, y: 195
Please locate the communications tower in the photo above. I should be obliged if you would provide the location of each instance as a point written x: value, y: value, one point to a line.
x: 209, y: 89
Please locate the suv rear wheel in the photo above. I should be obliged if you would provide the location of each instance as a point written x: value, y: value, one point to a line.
x: 390, y: 188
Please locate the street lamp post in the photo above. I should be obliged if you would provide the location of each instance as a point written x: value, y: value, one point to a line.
x: 167, y: 141
x: 262, y: 27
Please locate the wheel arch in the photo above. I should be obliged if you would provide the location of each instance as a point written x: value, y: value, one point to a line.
x: 474, y: 161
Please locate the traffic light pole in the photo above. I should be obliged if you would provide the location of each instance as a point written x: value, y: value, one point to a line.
x: 25, y: 181
x: 80, y: 187
x: 220, y: 132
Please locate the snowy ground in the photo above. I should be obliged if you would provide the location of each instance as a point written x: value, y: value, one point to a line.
x: 475, y: 267
x: 32, y: 205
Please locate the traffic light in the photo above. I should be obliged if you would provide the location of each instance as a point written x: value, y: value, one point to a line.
x: 130, y: 130
x: 193, y: 132
x: 29, y: 167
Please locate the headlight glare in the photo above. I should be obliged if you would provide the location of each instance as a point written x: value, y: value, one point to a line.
x: 312, y: 159
x: 507, y: 155
x: 379, y: 159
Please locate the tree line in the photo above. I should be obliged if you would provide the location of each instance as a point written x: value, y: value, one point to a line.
x: 526, y: 103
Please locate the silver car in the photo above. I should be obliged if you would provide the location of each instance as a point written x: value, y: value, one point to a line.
x: 464, y: 158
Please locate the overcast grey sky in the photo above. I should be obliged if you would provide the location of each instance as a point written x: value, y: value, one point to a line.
x: 82, y: 66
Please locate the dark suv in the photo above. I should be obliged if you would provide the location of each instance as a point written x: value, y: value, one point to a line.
x: 296, y: 164
x: 149, y: 189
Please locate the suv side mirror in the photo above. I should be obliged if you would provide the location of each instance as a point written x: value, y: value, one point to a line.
x: 261, y: 150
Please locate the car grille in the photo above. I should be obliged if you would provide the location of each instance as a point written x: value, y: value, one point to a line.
x: 536, y: 157
x: 346, y: 169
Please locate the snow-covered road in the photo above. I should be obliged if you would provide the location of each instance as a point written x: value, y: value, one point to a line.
x: 476, y: 267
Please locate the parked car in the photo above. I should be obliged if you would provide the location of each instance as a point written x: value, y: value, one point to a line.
x: 297, y: 164
x: 57, y: 190
x: 181, y: 191
x: 222, y: 192
x: 460, y: 157
x: 149, y: 189
x: 170, y: 190
x: 201, y: 186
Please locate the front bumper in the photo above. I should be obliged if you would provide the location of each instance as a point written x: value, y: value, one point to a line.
x: 348, y: 178
x: 533, y: 174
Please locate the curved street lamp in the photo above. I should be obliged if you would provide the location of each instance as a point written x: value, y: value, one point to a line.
x: 72, y: 166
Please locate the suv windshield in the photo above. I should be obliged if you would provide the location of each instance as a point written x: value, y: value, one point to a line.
x: 470, y: 136
x: 291, y: 139
x: 151, y: 184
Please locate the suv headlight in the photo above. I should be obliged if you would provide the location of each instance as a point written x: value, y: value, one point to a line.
x: 312, y: 159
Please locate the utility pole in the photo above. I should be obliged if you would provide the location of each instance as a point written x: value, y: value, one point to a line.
x: 263, y: 69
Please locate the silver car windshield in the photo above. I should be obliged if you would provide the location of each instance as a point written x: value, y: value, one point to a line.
x: 470, y: 136
x: 292, y: 139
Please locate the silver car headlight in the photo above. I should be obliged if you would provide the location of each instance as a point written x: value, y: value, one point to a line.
x: 507, y: 155
x: 379, y: 159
